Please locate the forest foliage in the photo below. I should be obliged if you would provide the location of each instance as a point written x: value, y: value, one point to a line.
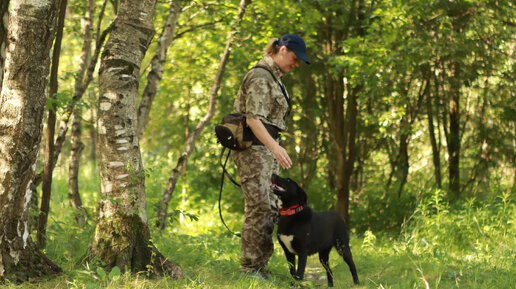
x: 405, y: 119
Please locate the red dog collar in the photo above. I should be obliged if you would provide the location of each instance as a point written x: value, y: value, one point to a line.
x: 291, y: 211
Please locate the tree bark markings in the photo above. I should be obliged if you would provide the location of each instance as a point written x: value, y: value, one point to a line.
x: 22, y: 106
x: 122, y: 235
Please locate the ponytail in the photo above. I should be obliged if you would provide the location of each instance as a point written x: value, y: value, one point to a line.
x: 273, y: 47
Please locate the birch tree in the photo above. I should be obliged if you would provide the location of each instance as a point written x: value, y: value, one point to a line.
x: 157, y: 64
x: 22, y: 106
x: 122, y: 235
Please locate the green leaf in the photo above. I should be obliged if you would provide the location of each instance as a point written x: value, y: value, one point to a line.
x: 115, y: 273
x: 101, y: 273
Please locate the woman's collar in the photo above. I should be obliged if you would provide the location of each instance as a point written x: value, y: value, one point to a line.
x: 275, y: 68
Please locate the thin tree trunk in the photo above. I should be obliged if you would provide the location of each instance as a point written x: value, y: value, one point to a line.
x: 80, y: 213
x: 157, y: 64
x: 436, y: 157
x: 308, y: 155
x: 406, y: 124
x: 4, y: 22
x: 122, y: 236
x: 403, y: 164
x: 339, y: 135
x: 482, y: 169
x: 22, y: 106
x: 183, y: 160
x: 334, y: 89
x: 93, y: 135
x: 453, y: 136
x: 343, y: 126
x: 351, y: 133
x: 187, y: 134
x: 51, y: 125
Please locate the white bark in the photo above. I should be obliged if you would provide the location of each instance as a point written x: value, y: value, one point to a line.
x: 22, y: 106
x: 122, y: 235
x: 118, y: 148
x: 157, y: 64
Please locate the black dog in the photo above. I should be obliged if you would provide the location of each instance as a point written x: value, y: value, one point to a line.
x: 303, y: 232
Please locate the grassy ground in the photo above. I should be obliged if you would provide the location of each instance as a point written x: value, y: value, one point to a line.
x: 209, y: 258
x: 472, y: 247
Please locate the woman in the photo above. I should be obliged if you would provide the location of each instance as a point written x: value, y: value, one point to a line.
x: 265, y: 103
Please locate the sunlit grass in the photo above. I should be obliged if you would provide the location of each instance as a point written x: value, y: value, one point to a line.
x: 470, y: 246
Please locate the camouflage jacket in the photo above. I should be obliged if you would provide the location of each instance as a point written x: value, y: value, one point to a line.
x: 261, y: 97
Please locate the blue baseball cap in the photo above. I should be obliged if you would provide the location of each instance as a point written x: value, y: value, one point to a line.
x: 296, y: 44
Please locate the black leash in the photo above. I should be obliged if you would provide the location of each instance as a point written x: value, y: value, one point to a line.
x: 225, y: 172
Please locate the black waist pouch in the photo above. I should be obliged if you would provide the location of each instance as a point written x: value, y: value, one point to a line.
x: 271, y: 129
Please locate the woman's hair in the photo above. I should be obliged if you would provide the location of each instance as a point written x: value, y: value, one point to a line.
x: 273, y: 47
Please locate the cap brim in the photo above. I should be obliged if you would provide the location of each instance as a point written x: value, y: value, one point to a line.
x: 302, y: 56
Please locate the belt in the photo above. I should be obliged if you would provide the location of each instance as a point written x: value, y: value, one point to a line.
x: 272, y: 129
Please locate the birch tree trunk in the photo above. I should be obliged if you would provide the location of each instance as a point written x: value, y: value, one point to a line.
x: 75, y: 138
x: 192, y: 138
x: 122, y: 235
x: 22, y: 106
x: 157, y: 64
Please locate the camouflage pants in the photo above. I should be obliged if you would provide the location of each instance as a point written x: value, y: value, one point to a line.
x: 255, y: 167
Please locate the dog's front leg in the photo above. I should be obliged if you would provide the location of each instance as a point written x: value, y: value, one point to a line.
x: 301, y: 264
x: 291, y: 259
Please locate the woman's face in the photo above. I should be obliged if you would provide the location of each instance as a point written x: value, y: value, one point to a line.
x: 286, y: 59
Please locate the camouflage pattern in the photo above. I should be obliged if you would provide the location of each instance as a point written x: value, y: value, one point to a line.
x: 255, y: 166
x: 261, y: 97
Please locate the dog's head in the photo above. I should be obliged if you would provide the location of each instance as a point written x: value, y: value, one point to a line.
x: 288, y: 191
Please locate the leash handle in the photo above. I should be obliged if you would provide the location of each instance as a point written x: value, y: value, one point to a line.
x: 224, y: 172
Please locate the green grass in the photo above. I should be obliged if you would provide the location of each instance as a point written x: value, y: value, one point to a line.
x: 470, y: 246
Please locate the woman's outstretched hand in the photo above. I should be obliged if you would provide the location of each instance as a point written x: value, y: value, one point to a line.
x: 263, y: 135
